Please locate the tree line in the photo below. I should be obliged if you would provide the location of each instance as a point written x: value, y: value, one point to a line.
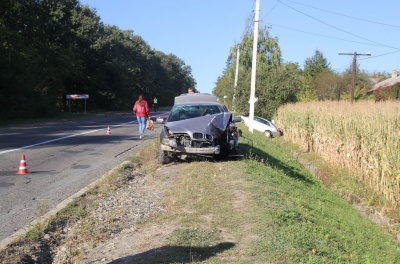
x: 49, y: 49
x: 279, y: 82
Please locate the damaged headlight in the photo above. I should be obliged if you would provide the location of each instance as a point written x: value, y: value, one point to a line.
x: 218, y: 150
x: 169, y: 142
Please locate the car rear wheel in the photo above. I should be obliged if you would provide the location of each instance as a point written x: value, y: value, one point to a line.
x: 163, y: 157
x: 268, y: 134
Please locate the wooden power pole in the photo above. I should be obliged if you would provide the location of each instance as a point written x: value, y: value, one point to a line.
x: 354, y: 69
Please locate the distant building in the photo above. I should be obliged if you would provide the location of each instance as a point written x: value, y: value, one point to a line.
x: 388, y: 82
x: 387, y: 88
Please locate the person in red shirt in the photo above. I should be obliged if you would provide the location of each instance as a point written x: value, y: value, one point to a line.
x: 141, y: 110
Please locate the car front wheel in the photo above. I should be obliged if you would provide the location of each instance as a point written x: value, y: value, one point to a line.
x: 163, y: 157
x: 268, y: 134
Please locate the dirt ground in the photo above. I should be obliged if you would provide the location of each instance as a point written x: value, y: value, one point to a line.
x: 123, y: 234
x: 137, y: 239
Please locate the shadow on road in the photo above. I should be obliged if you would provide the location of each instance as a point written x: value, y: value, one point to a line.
x: 175, y: 254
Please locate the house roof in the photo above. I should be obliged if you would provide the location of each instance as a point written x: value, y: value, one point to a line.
x: 386, y: 83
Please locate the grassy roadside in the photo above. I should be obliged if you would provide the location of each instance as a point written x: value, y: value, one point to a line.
x: 267, y: 209
x: 312, y: 224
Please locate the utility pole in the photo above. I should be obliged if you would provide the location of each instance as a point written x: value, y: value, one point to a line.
x: 354, y: 69
x: 253, y: 100
x: 236, y: 78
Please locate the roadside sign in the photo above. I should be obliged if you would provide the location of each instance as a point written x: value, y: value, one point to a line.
x: 77, y: 96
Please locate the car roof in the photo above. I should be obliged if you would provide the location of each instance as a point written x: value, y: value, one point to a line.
x: 195, y: 98
x: 197, y: 104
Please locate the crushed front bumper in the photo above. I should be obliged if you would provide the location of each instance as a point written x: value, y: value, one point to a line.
x: 193, y: 151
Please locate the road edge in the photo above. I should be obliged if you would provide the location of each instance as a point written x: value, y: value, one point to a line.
x: 28, y: 227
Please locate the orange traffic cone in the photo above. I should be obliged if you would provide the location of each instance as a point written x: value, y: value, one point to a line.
x: 22, y: 166
x: 108, y: 131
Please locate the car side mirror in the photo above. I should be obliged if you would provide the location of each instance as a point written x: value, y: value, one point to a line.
x: 161, y: 120
x: 236, y: 119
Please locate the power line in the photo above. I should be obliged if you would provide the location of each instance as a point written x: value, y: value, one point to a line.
x: 347, y: 32
x: 250, y: 21
x: 269, y: 12
x: 353, y: 41
x: 356, y: 18
x: 320, y: 35
x: 384, y: 54
x: 368, y: 58
x: 370, y: 42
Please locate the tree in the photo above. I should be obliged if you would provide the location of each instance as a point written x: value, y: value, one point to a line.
x: 277, y: 86
x: 313, y: 67
x: 316, y: 64
x: 268, y: 51
x: 52, y: 48
x: 330, y: 86
x: 268, y: 57
x: 307, y: 91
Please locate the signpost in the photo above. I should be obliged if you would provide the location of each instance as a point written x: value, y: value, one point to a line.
x: 76, y: 96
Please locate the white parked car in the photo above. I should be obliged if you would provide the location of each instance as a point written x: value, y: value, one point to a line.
x: 263, y: 125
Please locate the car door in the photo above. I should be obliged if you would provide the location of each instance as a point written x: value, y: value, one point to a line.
x: 258, y: 124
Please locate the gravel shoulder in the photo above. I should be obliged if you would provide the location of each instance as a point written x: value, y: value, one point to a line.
x: 120, y: 218
x: 117, y: 226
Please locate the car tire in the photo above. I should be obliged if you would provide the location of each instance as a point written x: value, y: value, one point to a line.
x: 268, y: 134
x: 163, y: 157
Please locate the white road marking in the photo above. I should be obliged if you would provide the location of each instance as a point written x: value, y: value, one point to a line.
x: 62, y: 138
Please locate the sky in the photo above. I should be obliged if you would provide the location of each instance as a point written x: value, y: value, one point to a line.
x: 202, y: 32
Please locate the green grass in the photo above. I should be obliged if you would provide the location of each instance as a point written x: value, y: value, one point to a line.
x: 302, y: 220
x: 266, y: 208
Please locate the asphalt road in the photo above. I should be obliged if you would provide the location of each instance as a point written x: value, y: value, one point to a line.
x: 62, y: 157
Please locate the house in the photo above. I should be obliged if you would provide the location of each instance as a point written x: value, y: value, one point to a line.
x: 391, y: 82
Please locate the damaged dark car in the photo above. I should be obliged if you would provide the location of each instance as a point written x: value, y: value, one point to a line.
x: 198, y: 126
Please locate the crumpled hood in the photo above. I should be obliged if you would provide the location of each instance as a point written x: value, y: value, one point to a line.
x: 214, y: 125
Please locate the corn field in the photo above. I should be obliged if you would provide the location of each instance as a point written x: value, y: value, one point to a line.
x: 363, y: 137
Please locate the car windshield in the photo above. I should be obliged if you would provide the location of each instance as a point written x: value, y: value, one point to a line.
x: 261, y: 120
x: 182, y: 112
